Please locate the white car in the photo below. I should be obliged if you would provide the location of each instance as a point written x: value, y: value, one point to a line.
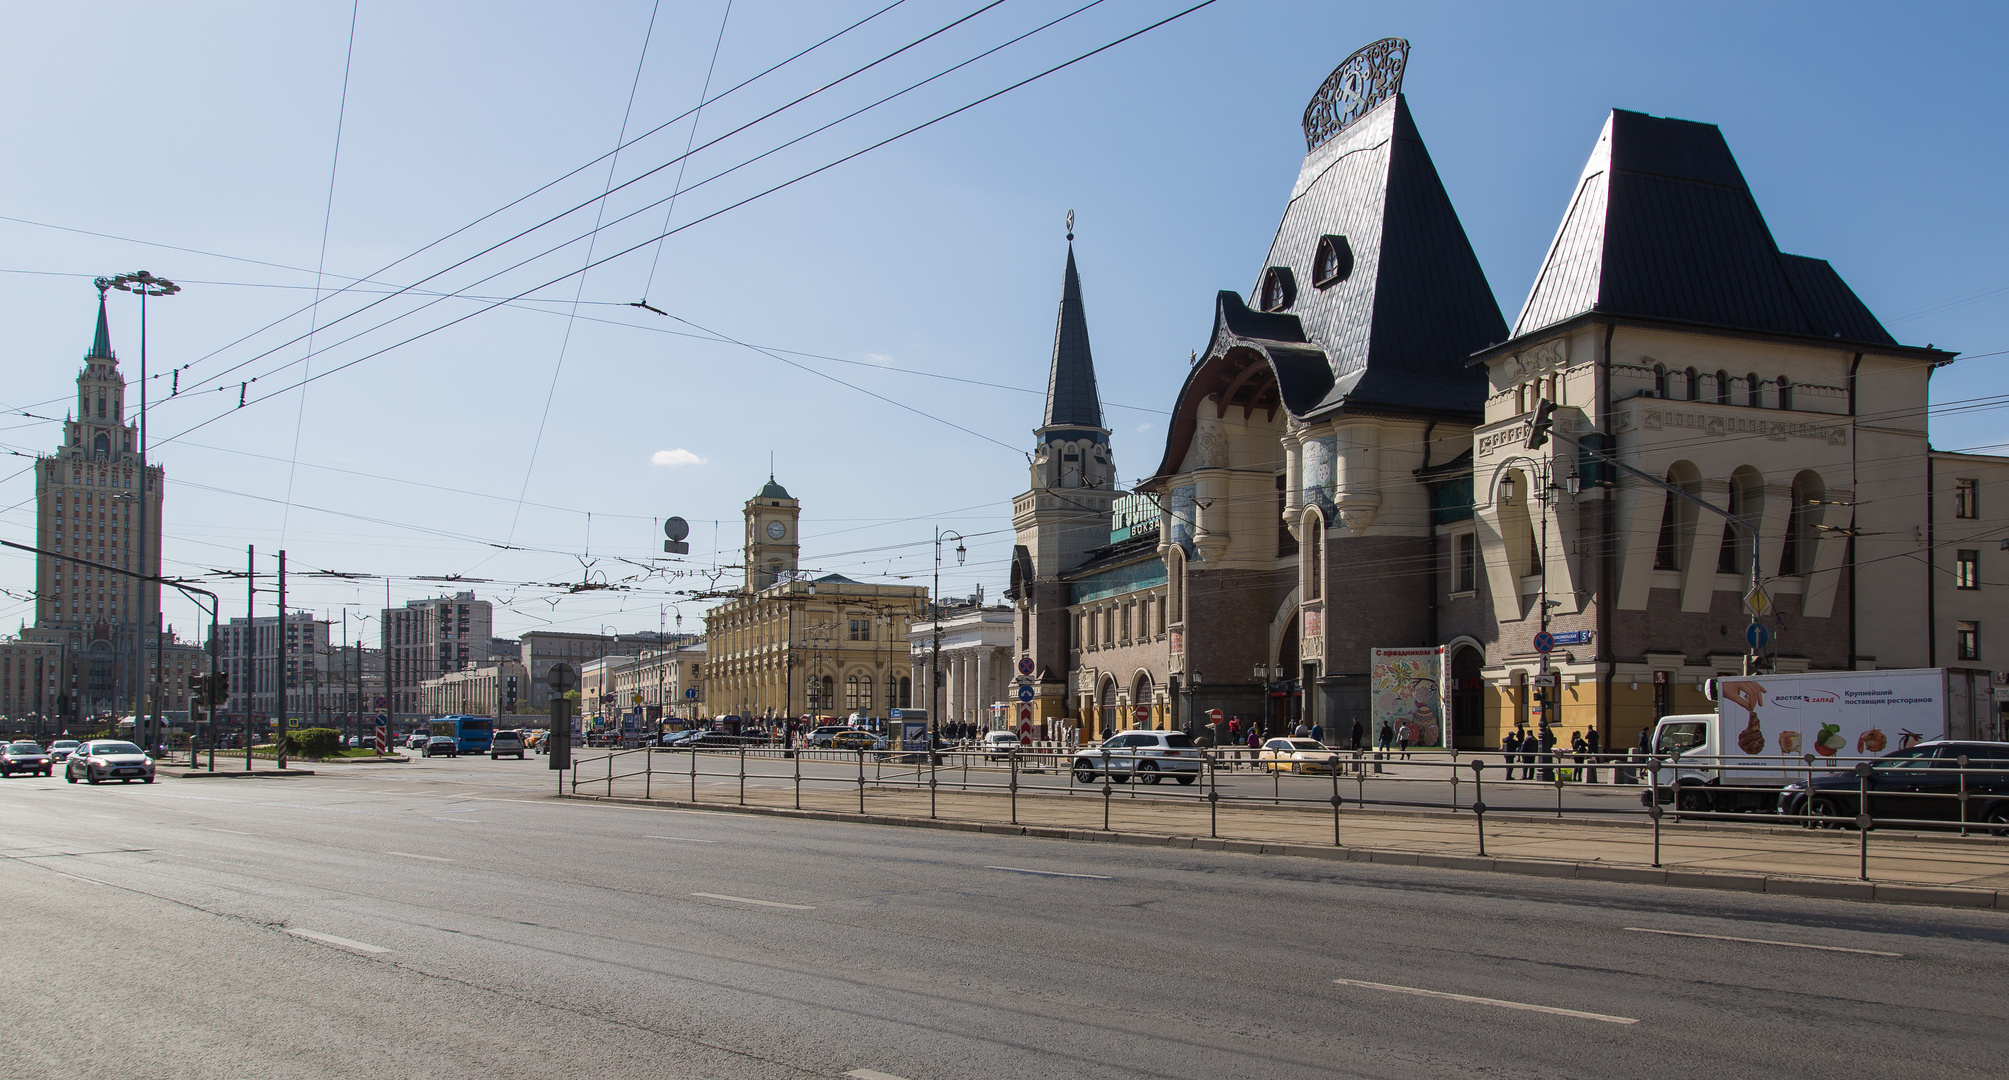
x: 1149, y: 756
x: 998, y: 745
x: 1296, y: 755
x: 505, y: 742
x: 108, y: 759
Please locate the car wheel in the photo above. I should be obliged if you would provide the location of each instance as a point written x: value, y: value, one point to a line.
x: 69, y: 776
x: 1084, y: 775
x: 1691, y: 799
x: 89, y: 779
x: 1998, y: 819
x: 1187, y: 778
x: 1827, y: 814
x: 1148, y: 772
x: 148, y: 780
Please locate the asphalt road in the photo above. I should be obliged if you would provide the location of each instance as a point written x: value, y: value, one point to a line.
x: 451, y: 919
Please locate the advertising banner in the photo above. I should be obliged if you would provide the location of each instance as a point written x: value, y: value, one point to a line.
x: 1830, y: 714
x: 1408, y: 695
x: 914, y: 735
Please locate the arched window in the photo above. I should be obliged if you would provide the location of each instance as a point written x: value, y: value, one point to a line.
x: 1520, y: 399
x: 1754, y: 391
x: 1785, y: 392
x: 1314, y: 555
x: 1796, y: 554
x: 1660, y: 380
x: 101, y: 406
x: 1556, y: 389
x: 1747, y: 500
x: 1677, y: 520
x: 101, y: 444
x: 906, y: 693
x: 1694, y: 385
x: 1722, y: 387
x: 1279, y: 290
x: 1333, y: 262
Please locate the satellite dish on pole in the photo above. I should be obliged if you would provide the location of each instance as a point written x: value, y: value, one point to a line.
x: 676, y: 529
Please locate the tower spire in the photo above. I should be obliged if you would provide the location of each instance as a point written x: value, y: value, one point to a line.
x: 1071, y: 398
x: 101, y: 347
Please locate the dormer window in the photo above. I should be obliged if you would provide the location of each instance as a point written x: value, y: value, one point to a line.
x: 1333, y: 263
x: 1279, y: 289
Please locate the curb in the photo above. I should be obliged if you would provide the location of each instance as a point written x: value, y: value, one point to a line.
x: 1829, y: 888
x: 238, y: 774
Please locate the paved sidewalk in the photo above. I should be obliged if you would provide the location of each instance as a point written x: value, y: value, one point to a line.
x: 1929, y: 868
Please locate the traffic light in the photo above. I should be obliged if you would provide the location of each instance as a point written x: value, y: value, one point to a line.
x: 219, y: 688
x: 198, y: 688
x: 1545, y: 418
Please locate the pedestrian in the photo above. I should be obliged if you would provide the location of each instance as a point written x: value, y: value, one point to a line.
x: 1510, y: 748
x: 1591, y: 744
x: 1358, y: 734
x: 1301, y: 731
x: 1403, y: 741
x: 1577, y: 749
x: 1234, y: 729
x: 1387, y: 736
x: 1318, y: 732
x: 1548, y: 746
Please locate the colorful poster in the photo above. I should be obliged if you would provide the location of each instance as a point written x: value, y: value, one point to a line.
x: 1408, y: 689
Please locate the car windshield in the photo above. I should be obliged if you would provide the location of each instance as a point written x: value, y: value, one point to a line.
x: 1307, y: 744
x: 1674, y: 738
x: 1917, y: 757
x: 1179, y: 738
x: 64, y: 744
x: 115, y: 748
x: 25, y: 748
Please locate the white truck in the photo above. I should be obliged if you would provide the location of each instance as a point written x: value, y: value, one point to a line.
x: 1766, y: 727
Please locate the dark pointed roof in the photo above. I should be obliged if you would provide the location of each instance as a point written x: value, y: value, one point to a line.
x: 772, y: 490
x: 1663, y: 226
x: 1071, y: 399
x: 101, y: 347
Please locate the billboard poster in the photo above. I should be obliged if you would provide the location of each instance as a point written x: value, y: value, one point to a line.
x: 914, y: 735
x: 1830, y: 714
x: 1408, y: 695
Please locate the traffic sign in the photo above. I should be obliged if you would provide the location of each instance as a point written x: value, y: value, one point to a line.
x: 1573, y: 637
x: 1025, y: 665
x: 1546, y: 678
x: 892, y: 714
x: 1757, y: 636
x: 1024, y: 692
x: 635, y: 699
x: 691, y: 694
x: 1025, y: 714
x: 381, y: 703
x: 1545, y: 642
x: 1142, y: 712
x: 1757, y: 601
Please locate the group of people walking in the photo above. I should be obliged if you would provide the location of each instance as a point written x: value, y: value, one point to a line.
x: 1536, y: 753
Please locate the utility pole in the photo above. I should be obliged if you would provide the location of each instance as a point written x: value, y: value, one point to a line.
x: 250, y: 644
x: 279, y: 673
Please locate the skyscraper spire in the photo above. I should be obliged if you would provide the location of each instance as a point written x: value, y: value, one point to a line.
x: 101, y: 348
x: 1071, y: 399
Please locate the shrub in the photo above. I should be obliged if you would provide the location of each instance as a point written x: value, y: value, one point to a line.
x: 315, y: 743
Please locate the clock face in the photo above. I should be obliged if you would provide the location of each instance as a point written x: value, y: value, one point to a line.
x: 776, y: 530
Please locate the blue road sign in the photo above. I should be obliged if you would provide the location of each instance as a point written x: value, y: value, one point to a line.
x: 1757, y: 636
x: 1024, y: 692
x: 1573, y: 637
x: 691, y: 694
x: 1545, y: 642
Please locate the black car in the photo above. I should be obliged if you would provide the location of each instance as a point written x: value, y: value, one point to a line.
x: 442, y: 746
x: 1918, y: 783
x: 26, y: 757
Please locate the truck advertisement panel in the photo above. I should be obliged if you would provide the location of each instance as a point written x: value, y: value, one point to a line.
x: 1408, y: 694
x: 1834, y: 714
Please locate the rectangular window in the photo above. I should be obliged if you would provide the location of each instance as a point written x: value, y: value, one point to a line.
x: 1967, y: 498
x: 1126, y: 622
x: 1109, y: 626
x: 1465, y: 576
x: 1966, y: 569
x: 861, y: 629
x: 1967, y: 636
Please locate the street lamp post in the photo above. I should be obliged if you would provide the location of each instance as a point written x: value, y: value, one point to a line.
x: 935, y: 661
x: 145, y: 284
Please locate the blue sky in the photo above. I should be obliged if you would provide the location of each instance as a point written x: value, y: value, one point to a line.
x: 925, y: 272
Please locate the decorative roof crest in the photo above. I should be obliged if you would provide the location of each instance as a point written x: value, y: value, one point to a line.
x: 1372, y: 75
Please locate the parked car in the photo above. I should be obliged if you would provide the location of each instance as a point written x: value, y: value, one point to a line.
x: 416, y: 742
x: 24, y: 756
x: 1296, y: 755
x: 442, y: 746
x: 108, y: 759
x: 505, y: 742
x: 1149, y: 756
x: 820, y: 738
x: 998, y: 745
x: 1921, y: 783
x: 59, y: 750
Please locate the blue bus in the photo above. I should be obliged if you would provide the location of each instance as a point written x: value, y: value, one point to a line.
x: 473, y: 733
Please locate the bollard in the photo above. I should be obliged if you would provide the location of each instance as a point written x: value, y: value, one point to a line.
x: 1962, y: 759
x: 1454, y: 781
x: 1332, y: 766
x: 1479, y: 801
x: 648, y: 770
x: 1213, y: 797
x: 1559, y: 792
x: 798, y: 780
x: 1105, y: 791
x: 1012, y: 757
x: 742, y: 774
x: 1863, y: 819
x: 1276, y: 785
x: 861, y: 779
x: 1653, y: 807
x: 610, y: 773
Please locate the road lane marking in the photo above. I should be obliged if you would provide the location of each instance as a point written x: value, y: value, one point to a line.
x: 872, y: 1074
x: 460, y: 821
x: 1520, y: 1005
x: 330, y: 939
x: 685, y: 839
x: 1762, y: 941
x: 409, y: 855
x: 1048, y: 873
x: 762, y: 903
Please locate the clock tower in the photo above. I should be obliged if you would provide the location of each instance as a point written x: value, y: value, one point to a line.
x: 771, y: 542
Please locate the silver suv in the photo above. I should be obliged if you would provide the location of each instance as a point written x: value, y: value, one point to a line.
x: 1149, y: 756
x: 505, y: 742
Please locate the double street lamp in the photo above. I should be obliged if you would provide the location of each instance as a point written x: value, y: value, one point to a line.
x: 935, y: 661
x: 145, y: 285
